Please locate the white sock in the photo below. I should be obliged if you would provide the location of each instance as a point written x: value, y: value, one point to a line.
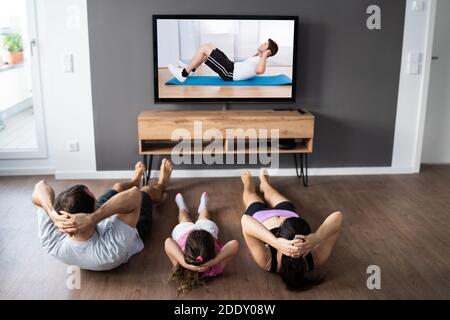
x: 203, y: 202
x: 180, y: 202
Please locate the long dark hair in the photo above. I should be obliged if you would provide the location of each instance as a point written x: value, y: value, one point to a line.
x: 294, y: 272
x: 199, y: 249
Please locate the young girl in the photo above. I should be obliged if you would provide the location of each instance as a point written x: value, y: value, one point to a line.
x: 194, y: 249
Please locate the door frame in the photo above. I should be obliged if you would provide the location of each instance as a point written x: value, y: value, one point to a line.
x: 36, y: 82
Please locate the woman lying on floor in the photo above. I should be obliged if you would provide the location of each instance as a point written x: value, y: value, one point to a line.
x: 279, y: 240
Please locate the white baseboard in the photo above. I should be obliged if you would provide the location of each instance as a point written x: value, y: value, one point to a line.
x: 200, y: 173
x: 93, y: 175
x: 224, y: 173
x: 361, y: 171
x: 45, y: 171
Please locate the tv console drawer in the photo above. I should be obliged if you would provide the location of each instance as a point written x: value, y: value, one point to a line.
x: 161, y: 125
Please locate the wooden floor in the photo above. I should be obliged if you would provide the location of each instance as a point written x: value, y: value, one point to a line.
x: 400, y: 223
x: 175, y: 91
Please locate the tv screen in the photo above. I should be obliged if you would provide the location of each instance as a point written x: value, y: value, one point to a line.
x: 224, y: 58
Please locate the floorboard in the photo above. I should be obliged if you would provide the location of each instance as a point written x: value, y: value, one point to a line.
x: 399, y: 223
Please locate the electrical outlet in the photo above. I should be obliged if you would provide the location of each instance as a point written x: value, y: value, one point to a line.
x: 73, y: 146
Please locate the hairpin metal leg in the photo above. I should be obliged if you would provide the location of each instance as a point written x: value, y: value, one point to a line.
x: 303, y: 174
x: 144, y: 177
x: 148, y: 166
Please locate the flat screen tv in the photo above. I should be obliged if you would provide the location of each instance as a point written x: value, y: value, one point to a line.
x: 211, y: 58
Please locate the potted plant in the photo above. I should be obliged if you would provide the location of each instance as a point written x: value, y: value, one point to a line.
x: 12, y: 43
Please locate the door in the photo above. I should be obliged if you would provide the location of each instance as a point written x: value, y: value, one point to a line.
x: 22, y: 133
x: 436, y: 143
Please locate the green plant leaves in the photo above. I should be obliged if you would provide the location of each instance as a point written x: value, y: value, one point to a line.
x: 13, y: 42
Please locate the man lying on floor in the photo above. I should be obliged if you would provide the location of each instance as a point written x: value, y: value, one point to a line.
x: 228, y: 70
x: 98, y: 234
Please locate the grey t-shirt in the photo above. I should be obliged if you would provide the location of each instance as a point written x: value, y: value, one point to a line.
x: 113, y: 243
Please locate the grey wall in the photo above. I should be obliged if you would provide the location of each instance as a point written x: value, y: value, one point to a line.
x: 348, y: 76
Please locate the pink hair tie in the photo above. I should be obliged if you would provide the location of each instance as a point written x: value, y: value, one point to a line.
x: 199, y: 259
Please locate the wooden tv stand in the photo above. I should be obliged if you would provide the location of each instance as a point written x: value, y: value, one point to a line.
x: 155, y: 129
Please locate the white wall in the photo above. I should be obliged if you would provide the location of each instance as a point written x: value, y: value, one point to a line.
x: 63, y: 28
x: 239, y: 39
x: 68, y: 95
x: 436, y: 145
x: 413, y: 89
x: 168, y: 42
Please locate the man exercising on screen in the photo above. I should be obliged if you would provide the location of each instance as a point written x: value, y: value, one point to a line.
x: 228, y: 70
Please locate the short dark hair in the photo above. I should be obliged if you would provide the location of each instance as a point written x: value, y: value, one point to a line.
x: 75, y: 200
x: 293, y: 270
x: 273, y: 47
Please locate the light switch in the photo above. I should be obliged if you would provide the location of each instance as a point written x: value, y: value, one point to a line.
x: 418, y: 5
x: 414, y: 57
x: 413, y: 68
x: 67, y: 63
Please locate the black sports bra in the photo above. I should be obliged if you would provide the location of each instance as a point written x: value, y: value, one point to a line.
x: 274, y: 262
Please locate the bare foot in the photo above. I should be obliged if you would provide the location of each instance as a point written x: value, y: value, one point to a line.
x: 139, y: 169
x: 264, y: 179
x: 164, y: 172
x: 246, y: 178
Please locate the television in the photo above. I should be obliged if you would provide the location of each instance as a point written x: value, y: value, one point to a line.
x: 224, y: 59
